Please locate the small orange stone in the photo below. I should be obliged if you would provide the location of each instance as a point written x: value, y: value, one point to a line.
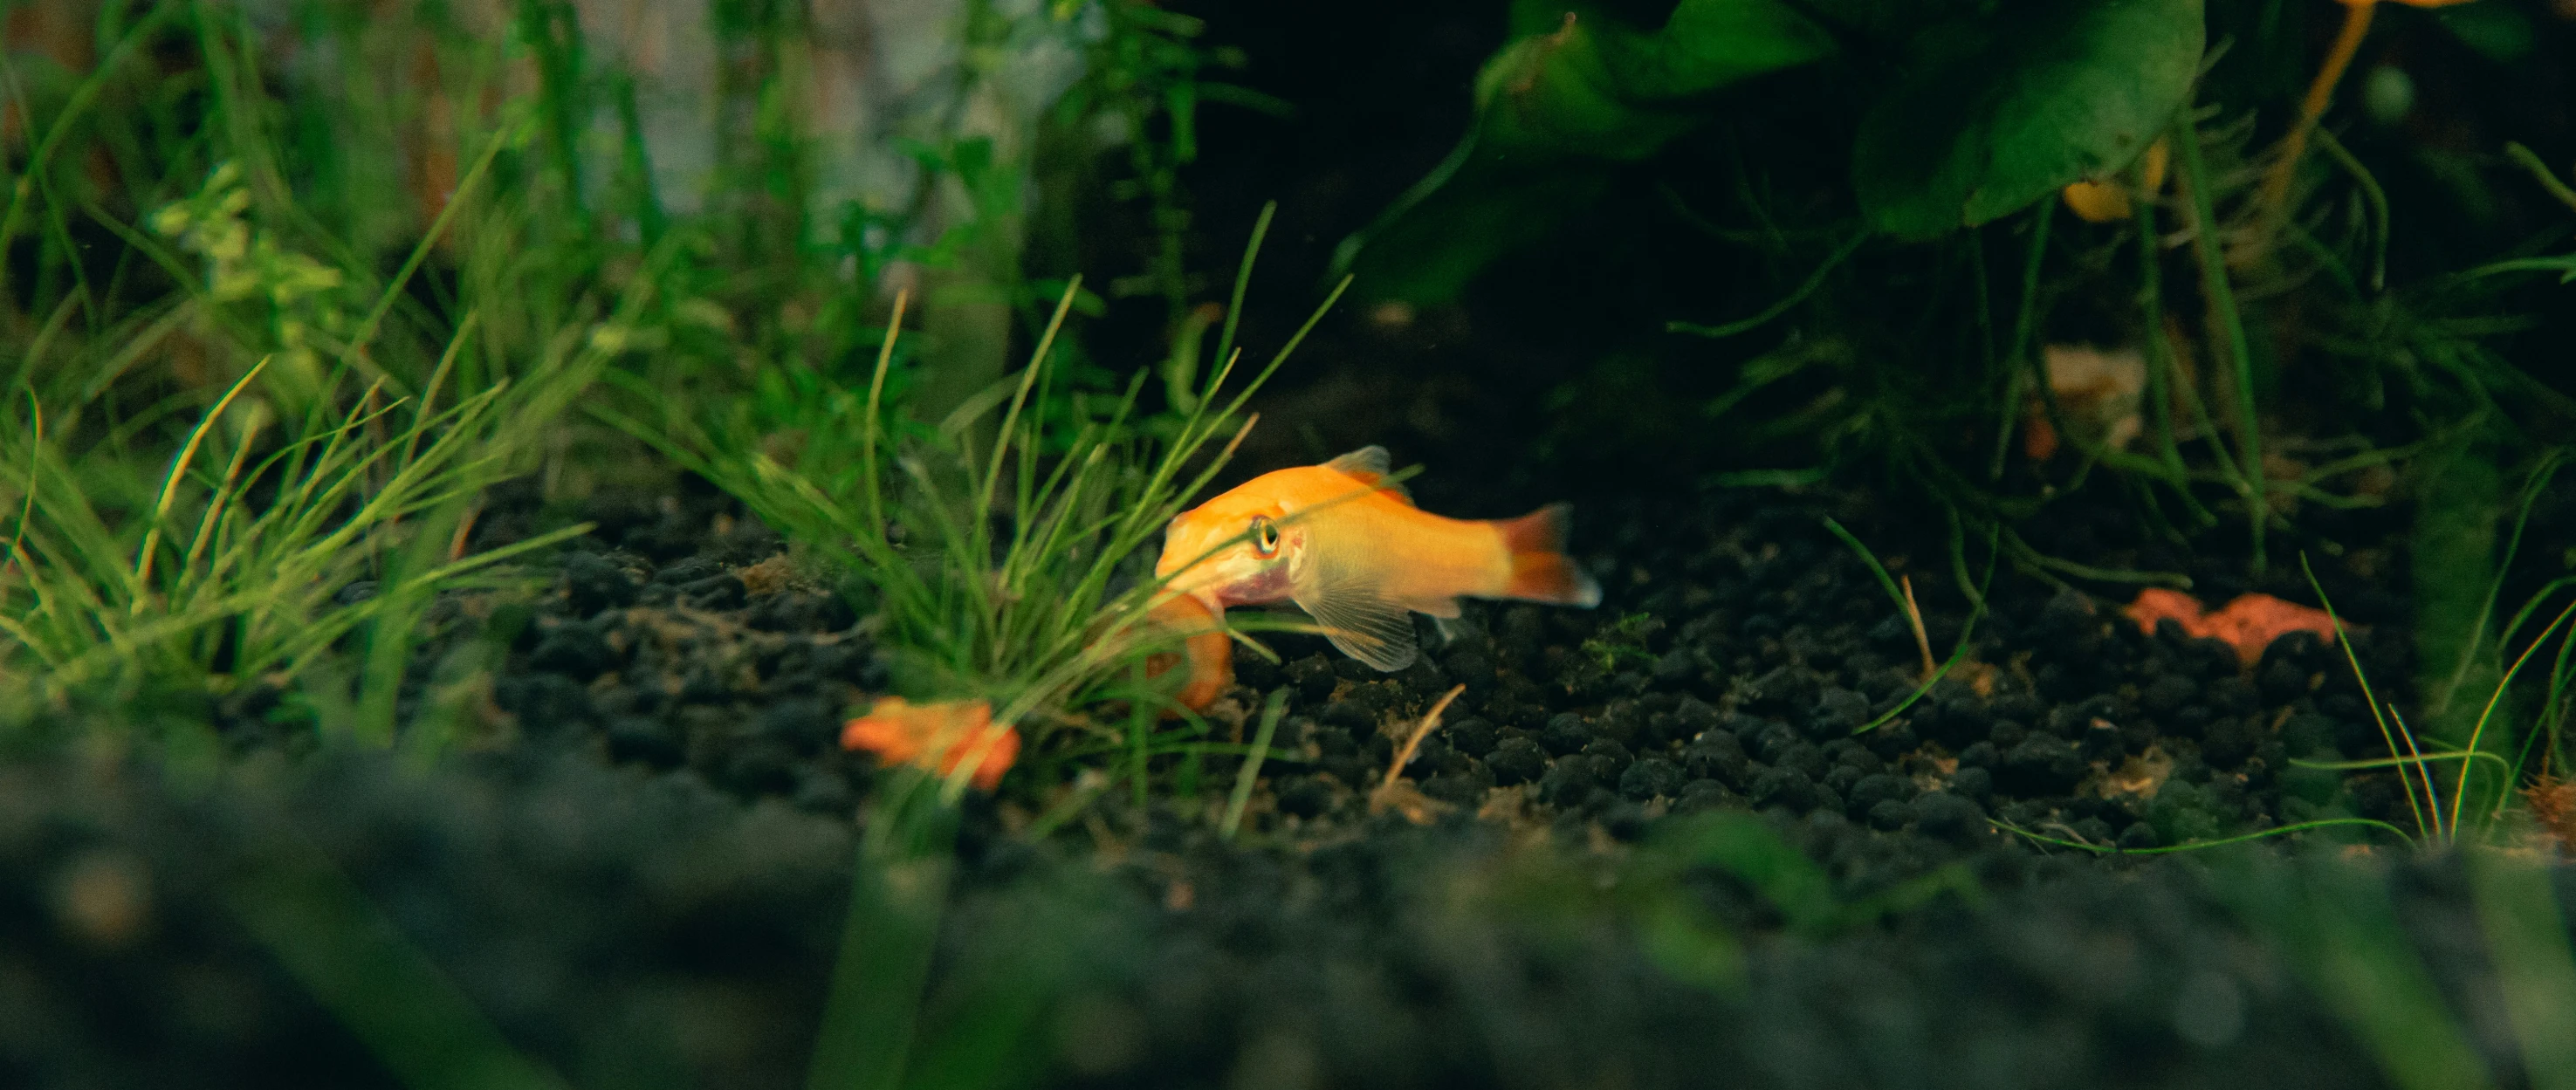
x: 939, y: 735
x: 2157, y: 604
x: 2250, y: 623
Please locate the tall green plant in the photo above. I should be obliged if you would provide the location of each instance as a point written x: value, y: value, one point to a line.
x: 1014, y: 570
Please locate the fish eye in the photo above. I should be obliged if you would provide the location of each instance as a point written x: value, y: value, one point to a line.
x: 1265, y: 535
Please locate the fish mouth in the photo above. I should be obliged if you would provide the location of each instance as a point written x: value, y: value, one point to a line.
x: 1224, y: 580
x: 1267, y: 585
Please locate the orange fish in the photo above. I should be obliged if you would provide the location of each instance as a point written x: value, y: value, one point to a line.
x: 939, y: 735
x: 2250, y: 623
x: 1354, y: 553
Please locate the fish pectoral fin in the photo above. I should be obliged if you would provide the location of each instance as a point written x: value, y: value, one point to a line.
x: 1444, y: 618
x: 1364, y: 624
x: 1375, y: 631
x: 1447, y: 628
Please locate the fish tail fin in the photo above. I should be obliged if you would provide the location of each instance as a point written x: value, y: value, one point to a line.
x: 1540, y: 570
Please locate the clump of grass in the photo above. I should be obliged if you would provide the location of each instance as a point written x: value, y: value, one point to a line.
x: 2439, y: 821
x: 277, y: 529
x: 1902, y: 594
x: 2340, y: 927
x: 1015, y: 571
x: 285, y: 516
x: 208, y: 580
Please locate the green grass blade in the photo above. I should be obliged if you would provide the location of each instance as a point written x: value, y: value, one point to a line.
x: 1251, y: 772
x: 330, y: 938
x: 2526, y: 933
x: 898, y: 892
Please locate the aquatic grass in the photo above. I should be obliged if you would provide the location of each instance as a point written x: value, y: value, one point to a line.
x: 235, y: 567
x: 209, y: 582
x: 2438, y: 824
x: 1017, y: 571
x: 2343, y: 932
x: 2021, y: 361
x: 2201, y: 845
x: 1657, y: 893
x: 167, y: 525
x: 2338, y: 926
x: 2414, y: 761
x: 2504, y: 791
x: 2220, y: 292
x: 925, y: 995
x: 332, y: 938
x: 1906, y: 607
x: 1806, y: 288
x: 2555, y: 705
x: 289, y: 526
x: 2458, y: 579
x: 899, y: 882
x: 1900, y: 591
x: 1247, y: 776
x: 252, y: 536
x: 1922, y: 432
x: 2536, y: 484
x: 2526, y: 929
x: 2541, y: 172
x: 2427, y: 809
x: 1802, y: 890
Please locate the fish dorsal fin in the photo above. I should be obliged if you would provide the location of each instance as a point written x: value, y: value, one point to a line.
x: 1347, y: 602
x: 1368, y: 465
x: 1369, y: 461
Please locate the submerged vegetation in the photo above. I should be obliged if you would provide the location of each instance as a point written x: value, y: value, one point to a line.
x: 413, y: 410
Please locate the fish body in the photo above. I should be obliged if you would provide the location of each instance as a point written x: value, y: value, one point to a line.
x: 1353, y: 551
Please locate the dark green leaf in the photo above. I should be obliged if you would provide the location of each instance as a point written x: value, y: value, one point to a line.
x: 1556, y: 109
x: 2000, y: 112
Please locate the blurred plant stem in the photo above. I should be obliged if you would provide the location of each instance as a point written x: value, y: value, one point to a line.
x: 898, y: 891
x: 2460, y: 493
x: 2227, y: 323
x: 966, y: 322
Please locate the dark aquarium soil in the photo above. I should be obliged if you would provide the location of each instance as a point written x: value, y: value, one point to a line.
x: 1739, y: 648
x: 639, y: 869
x: 640, y: 929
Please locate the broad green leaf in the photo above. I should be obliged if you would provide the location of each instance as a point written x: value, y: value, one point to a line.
x: 1578, y: 92
x: 1996, y: 113
x: 1427, y: 250
x: 1593, y: 85
x: 1896, y: 21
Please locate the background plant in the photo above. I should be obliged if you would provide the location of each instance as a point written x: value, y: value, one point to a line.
x: 1815, y: 154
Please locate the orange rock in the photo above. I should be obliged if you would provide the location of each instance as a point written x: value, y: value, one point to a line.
x: 2157, y: 604
x: 2250, y: 623
x: 939, y: 735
